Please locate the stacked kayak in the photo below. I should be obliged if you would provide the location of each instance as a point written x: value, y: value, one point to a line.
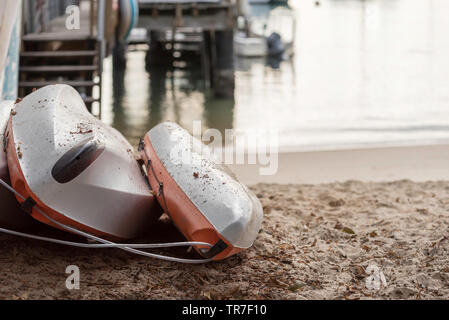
x: 71, y: 171
x: 202, y: 197
x: 79, y: 171
x: 11, y: 216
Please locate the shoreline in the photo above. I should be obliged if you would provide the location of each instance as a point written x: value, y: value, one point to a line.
x: 417, y: 163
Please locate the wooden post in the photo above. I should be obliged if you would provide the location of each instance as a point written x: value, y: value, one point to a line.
x: 206, y: 58
x: 224, y: 80
x: 178, y: 16
x: 91, y: 18
x: 239, y: 8
x: 154, y: 13
x: 230, y: 16
x: 195, y: 11
x: 213, y: 57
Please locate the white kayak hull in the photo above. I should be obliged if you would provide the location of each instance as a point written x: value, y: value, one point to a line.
x: 250, y: 46
x: 11, y: 216
x: 76, y: 169
x: 203, y: 197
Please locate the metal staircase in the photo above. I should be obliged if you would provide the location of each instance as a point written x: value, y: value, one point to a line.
x: 52, y: 59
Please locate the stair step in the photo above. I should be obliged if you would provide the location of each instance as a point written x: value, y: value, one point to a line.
x: 57, y: 68
x: 61, y: 36
x: 73, y: 83
x: 90, y: 99
x: 193, y: 39
x: 43, y: 54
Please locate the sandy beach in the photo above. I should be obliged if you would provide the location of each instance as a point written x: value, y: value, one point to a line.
x: 354, y: 93
x: 417, y: 163
x: 317, y: 241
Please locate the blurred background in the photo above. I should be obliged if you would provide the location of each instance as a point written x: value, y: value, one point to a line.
x: 363, y: 73
x: 327, y: 74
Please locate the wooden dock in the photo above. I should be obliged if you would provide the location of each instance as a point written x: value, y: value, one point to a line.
x: 207, y: 15
x: 205, y: 27
x: 54, y: 54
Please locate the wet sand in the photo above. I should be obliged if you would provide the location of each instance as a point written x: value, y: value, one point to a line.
x: 418, y: 163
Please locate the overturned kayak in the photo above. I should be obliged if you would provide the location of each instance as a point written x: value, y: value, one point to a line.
x: 79, y: 171
x: 11, y: 216
x: 203, y: 197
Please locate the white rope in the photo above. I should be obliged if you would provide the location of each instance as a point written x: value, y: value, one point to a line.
x: 105, y: 243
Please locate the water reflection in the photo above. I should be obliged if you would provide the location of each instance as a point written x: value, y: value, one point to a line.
x: 158, y: 89
x: 180, y: 95
x: 219, y: 113
x: 364, y: 72
x: 118, y: 91
x: 125, y: 107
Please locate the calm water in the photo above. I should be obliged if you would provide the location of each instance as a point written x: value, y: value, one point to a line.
x: 364, y: 73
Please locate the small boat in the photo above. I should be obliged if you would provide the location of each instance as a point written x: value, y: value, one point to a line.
x: 11, y: 216
x: 275, y: 45
x: 203, y: 198
x: 258, y: 46
x: 266, y: 33
x: 250, y: 46
x: 79, y: 171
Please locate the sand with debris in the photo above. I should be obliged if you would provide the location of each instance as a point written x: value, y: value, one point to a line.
x: 316, y: 242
